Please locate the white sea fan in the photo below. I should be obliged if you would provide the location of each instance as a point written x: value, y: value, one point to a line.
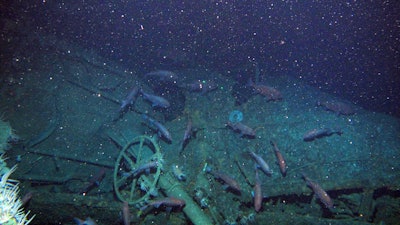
x: 11, y: 211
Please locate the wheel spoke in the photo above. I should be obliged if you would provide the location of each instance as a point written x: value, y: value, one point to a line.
x: 140, y: 150
x: 128, y: 159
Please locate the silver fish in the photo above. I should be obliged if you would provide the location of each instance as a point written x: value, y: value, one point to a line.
x: 130, y: 98
x: 143, y: 168
x: 156, y: 101
x: 320, y: 133
x: 258, y: 197
x: 228, y: 180
x: 202, y: 86
x: 162, y: 75
x: 261, y: 163
x: 168, y: 202
x: 319, y: 192
x: 162, y: 130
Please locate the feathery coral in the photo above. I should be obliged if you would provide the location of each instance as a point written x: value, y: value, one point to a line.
x: 11, y: 212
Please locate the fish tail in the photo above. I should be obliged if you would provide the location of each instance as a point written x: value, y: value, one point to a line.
x: 256, y: 167
x: 123, y: 104
x: 304, y: 176
x: 157, y: 205
x: 141, y: 210
x: 272, y: 142
x: 250, y: 83
x: 207, y: 169
x: 148, y: 119
x: 78, y: 221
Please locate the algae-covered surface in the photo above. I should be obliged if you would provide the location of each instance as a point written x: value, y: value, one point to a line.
x: 361, y: 160
x: 64, y: 104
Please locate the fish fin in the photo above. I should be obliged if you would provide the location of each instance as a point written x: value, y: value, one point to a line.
x: 181, y: 177
x: 118, y: 116
x: 123, y: 105
x: 89, y: 221
x: 142, y: 209
x: 169, y: 210
x: 78, y: 221
x: 157, y: 205
x: 303, y: 176
x: 256, y: 167
x: 250, y: 83
x: 207, y: 169
x: 195, y: 130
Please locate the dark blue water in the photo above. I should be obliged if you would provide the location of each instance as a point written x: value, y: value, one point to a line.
x: 348, y: 48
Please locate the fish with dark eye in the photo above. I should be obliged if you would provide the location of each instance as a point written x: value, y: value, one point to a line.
x: 319, y: 192
x: 270, y: 93
x: 258, y: 197
x: 156, y: 101
x: 226, y: 179
x: 261, y: 163
x: 161, y: 129
x: 130, y: 98
x: 188, y: 131
x: 94, y: 181
x: 340, y: 108
x: 320, y: 133
x: 162, y: 75
x: 169, y: 202
x: 202, y: 86
x: 244, y: 130
x: 144, y: 168
x: 279, y: 157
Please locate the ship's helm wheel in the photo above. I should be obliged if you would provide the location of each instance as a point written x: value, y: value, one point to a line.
x: 137, y: 188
